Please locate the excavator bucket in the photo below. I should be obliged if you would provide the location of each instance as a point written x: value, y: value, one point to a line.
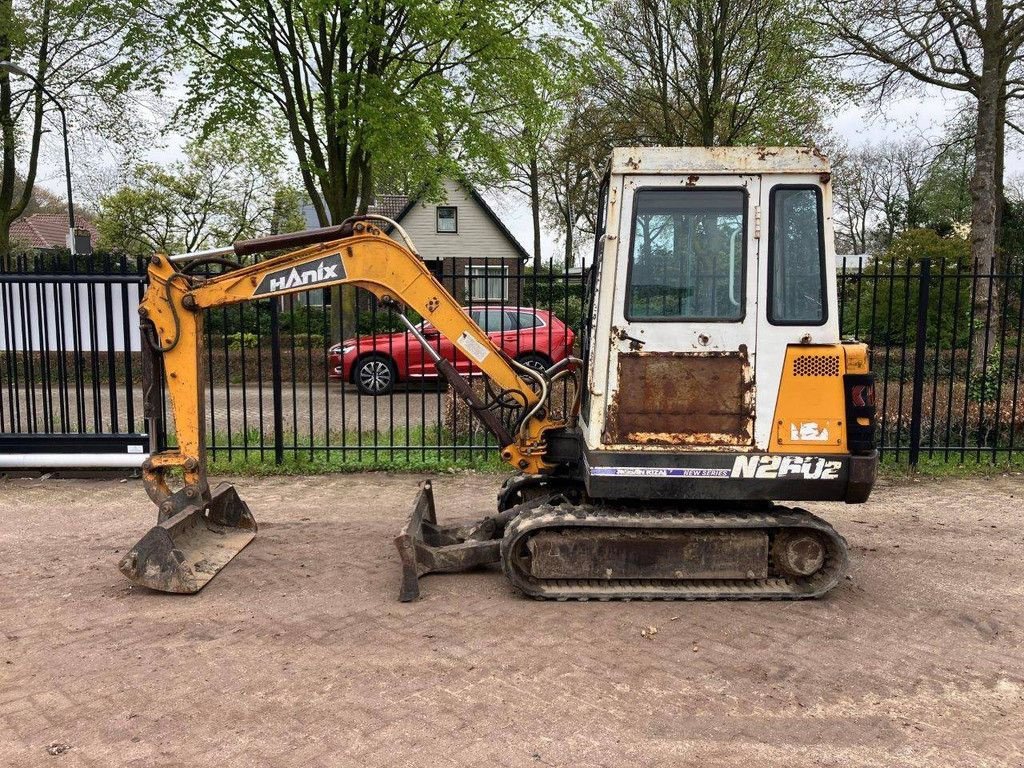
x: 182, y: 553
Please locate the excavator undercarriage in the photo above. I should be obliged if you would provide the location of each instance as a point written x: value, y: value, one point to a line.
x: 557, y: 546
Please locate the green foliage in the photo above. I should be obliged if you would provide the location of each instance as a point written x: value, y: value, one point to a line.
x: 226, y: 190
x: 939, y: 467
x: 945, y: 193
x: 1013, y: 235
x: 893, y: 304
x: 254, y: 316
x: 287, y: 214
x: 308, y: 340
x: 551, y: 292
x: 405, y: 449
x: 987, y: 384
x: 243, y: 340
x: 362, y: 90
x: 369, y: 323
x: 95, y: 58
x: 915, y: 244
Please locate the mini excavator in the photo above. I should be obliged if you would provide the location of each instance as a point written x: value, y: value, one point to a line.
x: 711, y: 384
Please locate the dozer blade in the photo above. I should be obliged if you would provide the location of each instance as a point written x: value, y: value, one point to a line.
x: 426, y: 547
x: 184, y: 552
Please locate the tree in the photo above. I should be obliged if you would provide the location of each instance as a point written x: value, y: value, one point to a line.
x: 879, y: 191
x: 526, y: 141
x: 714, y: 72
x: 92, y: 55
x: 574, y: 155
x: 972, y: 48
x: 359, y: 88
x: 530, y: 135
x: 854, y: 197
x: 220, y: 194
x: 686, y: 72
x: 946, y: 189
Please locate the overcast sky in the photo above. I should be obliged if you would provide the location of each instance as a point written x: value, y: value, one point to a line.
x: 923, y: 115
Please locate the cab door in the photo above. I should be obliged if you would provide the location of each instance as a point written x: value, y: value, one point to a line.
x: 684, y: 322
x: 799, y: 309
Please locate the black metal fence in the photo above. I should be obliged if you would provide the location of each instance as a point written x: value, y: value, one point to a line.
x: 275, y: 392
x: 68, y: 375
x: 946, y: 346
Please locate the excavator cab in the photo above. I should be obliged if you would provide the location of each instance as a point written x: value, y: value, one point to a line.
x: 712, y: 384
x: 715, y: 366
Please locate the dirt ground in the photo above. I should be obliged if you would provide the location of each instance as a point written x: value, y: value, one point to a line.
x: 299, y: 653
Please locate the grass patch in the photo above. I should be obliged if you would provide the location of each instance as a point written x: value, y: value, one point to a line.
x: 416, y: 449
x: 937, y: 467
x: 324, y: 462
x: 433, y: 449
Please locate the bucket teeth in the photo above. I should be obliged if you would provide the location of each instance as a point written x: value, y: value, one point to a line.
x: 184, y: 552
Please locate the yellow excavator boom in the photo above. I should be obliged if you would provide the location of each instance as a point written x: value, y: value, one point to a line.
x: 359, y: 254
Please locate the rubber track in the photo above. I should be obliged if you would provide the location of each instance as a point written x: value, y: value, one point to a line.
x: 777, y: 518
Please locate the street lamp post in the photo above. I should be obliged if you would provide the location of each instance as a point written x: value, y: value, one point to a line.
x: 14, y: 69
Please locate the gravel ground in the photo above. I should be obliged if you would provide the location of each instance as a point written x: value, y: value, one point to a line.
x: 299, y: 653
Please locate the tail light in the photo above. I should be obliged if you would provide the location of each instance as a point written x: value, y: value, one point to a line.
x: 860, y: 411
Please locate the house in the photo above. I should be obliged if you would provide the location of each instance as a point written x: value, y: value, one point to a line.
x: 49, y: 231
x: 461, y: 239
x: 464, y: 243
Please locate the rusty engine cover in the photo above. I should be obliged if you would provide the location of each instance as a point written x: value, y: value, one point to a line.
x: 679, y: 398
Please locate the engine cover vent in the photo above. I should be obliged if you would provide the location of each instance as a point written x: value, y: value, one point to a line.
x: 816, y: 365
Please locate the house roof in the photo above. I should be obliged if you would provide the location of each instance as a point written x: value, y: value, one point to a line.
x: 391, y: 206
x: 413, y: 201
x: 46, y: 230
x: 398, y: 206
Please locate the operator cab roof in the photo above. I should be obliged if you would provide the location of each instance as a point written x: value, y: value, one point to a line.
x: 738, y: 160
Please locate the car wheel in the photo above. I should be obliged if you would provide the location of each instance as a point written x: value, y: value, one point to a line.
x: 534, y: 360
x: 375, y: 375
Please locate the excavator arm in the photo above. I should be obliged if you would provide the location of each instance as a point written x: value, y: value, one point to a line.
x: 357, y: 253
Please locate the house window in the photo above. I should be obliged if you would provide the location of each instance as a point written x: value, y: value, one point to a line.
x: 447, y: 218
x: 488, y: 283
x: 314, y: 298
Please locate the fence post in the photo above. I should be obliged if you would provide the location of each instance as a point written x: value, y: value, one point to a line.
x: 919, y: 352
x: 275, y: 379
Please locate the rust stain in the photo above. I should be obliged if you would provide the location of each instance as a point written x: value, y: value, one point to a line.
x: 679, y: 398
x: 692, y: 180
x: 824, y: 178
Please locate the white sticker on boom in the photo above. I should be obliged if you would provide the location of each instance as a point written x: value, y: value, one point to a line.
x: 472, y: 347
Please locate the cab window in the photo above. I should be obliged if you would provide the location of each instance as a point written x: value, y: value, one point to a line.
x: 686, y: 259
x: 796, y: 257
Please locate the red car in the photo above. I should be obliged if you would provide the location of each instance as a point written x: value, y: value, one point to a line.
x: 376, y: 363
